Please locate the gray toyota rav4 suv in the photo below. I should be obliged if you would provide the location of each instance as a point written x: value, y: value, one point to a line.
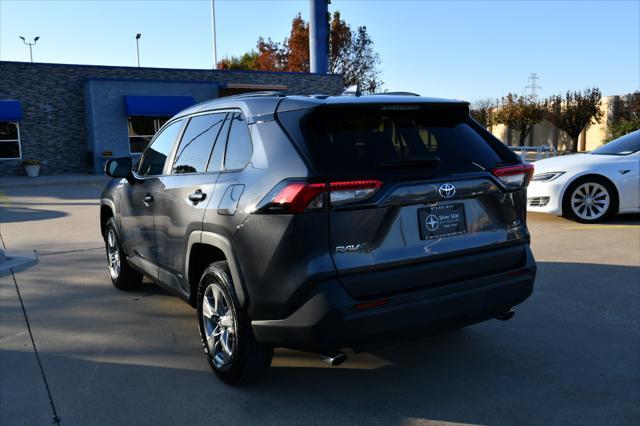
x: 321, y: 222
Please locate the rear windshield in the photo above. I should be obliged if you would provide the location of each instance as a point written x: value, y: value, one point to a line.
x: 398, y: 140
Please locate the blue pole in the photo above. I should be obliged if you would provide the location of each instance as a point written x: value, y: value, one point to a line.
x: 318, y: 37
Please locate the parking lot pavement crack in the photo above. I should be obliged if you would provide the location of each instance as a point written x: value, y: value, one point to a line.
x: 55, y: 419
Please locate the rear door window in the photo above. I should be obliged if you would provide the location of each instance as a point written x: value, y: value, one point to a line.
x: 396, y: 140
x: 215, y: 163
x: 197, y: 142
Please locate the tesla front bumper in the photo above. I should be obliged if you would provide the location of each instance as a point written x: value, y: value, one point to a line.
x: 545, y: 197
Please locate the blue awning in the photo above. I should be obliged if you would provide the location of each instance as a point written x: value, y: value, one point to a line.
x: 10, y: 110
x: 162, y: 106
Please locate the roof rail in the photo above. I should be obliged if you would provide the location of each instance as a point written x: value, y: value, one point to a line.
x: 254, y: 94
x: 398, y: 93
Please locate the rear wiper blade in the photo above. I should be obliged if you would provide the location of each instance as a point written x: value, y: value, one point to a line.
x: 409, y: 162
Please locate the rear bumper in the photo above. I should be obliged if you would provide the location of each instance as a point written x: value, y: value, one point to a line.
x: 332, y: 319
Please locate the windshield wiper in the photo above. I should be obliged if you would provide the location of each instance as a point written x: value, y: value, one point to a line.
x: 408, y: 162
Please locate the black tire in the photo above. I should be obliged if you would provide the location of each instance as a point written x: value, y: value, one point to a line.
x: 127, y: 277
x: 249, y: 359
x: 569, y: 210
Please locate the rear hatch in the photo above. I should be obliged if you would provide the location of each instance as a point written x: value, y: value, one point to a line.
x: 418, y: 195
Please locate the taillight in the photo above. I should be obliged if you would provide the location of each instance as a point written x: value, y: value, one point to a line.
x: 514, y: 176
x: 295, y: 197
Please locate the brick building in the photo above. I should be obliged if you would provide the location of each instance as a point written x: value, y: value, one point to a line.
x: 73, y: 117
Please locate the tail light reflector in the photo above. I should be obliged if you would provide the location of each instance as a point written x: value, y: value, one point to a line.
x: 514, y: 176
x: 370, y: 305
x: 295, y: 197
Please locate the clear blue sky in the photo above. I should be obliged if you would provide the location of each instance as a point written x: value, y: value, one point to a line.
x: 456, y: 49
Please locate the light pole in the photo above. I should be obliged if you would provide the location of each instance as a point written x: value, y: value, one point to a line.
x: 213, y: 33
x: 138, y: 47
x: 35, y: 40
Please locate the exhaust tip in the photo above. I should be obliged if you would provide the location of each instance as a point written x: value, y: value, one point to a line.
x: 507, y: 315
x: 335, y: 359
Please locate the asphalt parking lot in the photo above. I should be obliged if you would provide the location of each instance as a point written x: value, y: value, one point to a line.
x: 571, y: 355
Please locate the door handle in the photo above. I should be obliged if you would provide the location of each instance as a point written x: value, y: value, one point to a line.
x: 197, y: 196
x: 148, y: 200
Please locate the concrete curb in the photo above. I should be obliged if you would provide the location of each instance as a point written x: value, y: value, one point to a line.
x: 11, y: 182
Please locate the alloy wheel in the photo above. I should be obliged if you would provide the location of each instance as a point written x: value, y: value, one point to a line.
x: 113, y: 254
x: 219, y: 323
x: 590, y: 201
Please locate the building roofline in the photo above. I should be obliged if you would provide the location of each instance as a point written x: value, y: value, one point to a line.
x: 168, y: 69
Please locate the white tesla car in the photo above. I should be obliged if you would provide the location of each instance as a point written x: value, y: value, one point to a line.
x: 589, y: 187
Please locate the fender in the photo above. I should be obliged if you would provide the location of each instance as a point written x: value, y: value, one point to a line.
x: 109, y: 203
x: 224, y: 245
x: 116, y: 216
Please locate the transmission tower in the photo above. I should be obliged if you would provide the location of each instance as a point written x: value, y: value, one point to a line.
x: 533, y: 85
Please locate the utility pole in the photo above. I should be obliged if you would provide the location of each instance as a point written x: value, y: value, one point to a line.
x: 138, y: 47
x: 213, y: 35
x: 533, y: 85
x: 35, y: 40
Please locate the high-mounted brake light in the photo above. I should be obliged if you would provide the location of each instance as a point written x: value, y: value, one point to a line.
x: 514, y: 176
x: 295, y: 197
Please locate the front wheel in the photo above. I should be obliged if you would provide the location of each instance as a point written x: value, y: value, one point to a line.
x: 225, y: 330
x: 590, y: 200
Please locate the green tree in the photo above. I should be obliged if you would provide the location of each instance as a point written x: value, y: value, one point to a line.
x: 243, y: 62
x: 574, y: 112
x: 350, y: 54
x: 626, y: 117
x: 520, y: 113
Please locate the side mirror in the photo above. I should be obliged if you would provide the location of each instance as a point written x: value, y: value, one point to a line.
x: 120, y: 168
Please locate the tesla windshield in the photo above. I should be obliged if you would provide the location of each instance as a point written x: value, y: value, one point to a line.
x: 625, y: 145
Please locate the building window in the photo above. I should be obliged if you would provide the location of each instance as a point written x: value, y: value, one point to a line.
x: 9, y: 141
x: 141, y: 131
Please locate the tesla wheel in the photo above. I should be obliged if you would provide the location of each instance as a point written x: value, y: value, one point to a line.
x: 123, y: 276
x: 225, y: 330
x: 590, y: 200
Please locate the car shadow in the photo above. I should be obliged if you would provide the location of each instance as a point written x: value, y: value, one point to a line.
x: 568, y: 356
x: 624, y: 219
x: 15, y: 214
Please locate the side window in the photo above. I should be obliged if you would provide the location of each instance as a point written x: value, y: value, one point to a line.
x: 239, y: 147
x: 215, y: 163
x: 197, y: 142
x: 155, y: 156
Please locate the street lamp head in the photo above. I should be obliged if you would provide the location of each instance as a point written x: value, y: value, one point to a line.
x: 138, y: 36
x: 35, y: 40
x: 22, y: 38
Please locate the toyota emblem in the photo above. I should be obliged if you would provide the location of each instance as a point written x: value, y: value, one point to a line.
x: 447, y: 190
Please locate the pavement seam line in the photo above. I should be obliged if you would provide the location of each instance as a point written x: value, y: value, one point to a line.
x: 56, y: 420
x: 68, y: 251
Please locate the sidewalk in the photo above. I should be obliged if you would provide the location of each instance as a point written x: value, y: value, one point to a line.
x: 10, y: 182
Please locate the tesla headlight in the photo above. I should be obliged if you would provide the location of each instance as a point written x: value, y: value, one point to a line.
x: 546, y: 177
